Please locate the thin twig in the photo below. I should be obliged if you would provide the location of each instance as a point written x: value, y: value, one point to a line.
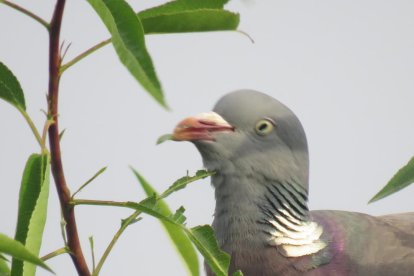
x: 125, y: 204
x: 84, y: 54
x: 55, y: 253
x: 33, y: 128
x: 56, y: 158
x: 89, y: 181
x: 27, y: 12
x: 246, y: 34
x: 118, y: 234
x: 91, y: 243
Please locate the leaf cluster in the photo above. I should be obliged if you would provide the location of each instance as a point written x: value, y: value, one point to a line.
x: 127, y: 29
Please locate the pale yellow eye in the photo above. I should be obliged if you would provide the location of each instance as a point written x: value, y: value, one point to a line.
x: 264, y: 127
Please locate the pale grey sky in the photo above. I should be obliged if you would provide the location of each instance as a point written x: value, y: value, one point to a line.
x: 344, y: 67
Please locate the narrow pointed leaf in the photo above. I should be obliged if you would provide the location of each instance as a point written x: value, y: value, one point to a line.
x: 33, y: 199
x: 163, y: 138
x: 204, y: 239
x: 18, y: 251
x: 201, y: 236
x: 4, y: 266
x: 403, y: 178
x: 184, y: 181
x: 182, y: 5
x: 98, y: 173
x: 10, y: 89
x: 152, y: 211
x: 178, y: 237
x: 179, y: 216
x: 203, y: 20
x: 38, y: 219
x: 150, y: 202
x: 128, y: 39
x: 188, y: 16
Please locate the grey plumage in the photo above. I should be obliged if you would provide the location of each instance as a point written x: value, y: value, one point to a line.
x: 258, y: 148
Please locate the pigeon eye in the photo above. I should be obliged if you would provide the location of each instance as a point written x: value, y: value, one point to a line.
x: 264, y: 127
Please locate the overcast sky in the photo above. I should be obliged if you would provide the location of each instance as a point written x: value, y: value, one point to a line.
x: 344, y: 67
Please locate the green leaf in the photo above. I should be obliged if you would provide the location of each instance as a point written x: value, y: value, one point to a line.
x: 403, y: 178
x: 178, y: 216
x: 201, y: 236
x: 204, y: 239
x: 4, y: 267
x: 33, y: 199
x: 238, y: 273
x: 10, y: 89
x: 164, y: 138
x: 184, y: 181
x: 182, y: 5
x: 150, y: 202
x: 176, y: 234
x: 128, y: 39
x: 204, y: 20
x: 17, y: 250
x: 188, y: 16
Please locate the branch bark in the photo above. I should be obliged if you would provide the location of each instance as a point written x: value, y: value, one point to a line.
x: 56, y: 158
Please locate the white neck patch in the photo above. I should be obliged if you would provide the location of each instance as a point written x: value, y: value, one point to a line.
x: 301, y: 242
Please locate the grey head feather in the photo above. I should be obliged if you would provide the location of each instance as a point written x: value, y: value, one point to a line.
x: 282, y: 153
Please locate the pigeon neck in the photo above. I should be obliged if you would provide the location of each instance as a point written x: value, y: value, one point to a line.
x: 286, y: 220
x: 250, y: 212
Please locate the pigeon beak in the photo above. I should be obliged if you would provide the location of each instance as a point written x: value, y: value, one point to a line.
x: 201, y: 127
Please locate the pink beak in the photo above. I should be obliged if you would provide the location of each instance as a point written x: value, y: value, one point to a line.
x: 201, y: 127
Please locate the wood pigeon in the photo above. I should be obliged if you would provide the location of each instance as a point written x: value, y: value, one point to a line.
x: 258, y: 149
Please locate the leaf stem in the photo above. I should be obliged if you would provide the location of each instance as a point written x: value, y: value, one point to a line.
x: 55, y: 253
x: 83, y: 55
x: 89, y: 181
x: 27, y: 12
x: 33, y: 128
x: 125, y: 204
x: 48, y: 123
x: 124, y: 225
x: 68, y: 211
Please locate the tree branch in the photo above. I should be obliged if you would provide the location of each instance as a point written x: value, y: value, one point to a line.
x: 26, y: 12
x: 56, y: 158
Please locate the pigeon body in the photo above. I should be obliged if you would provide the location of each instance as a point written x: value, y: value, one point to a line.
x: 258, y: 149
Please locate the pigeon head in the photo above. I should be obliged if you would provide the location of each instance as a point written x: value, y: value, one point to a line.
x: 249, y: 133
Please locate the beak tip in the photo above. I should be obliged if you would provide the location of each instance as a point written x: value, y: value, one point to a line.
x: 200, y: 127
